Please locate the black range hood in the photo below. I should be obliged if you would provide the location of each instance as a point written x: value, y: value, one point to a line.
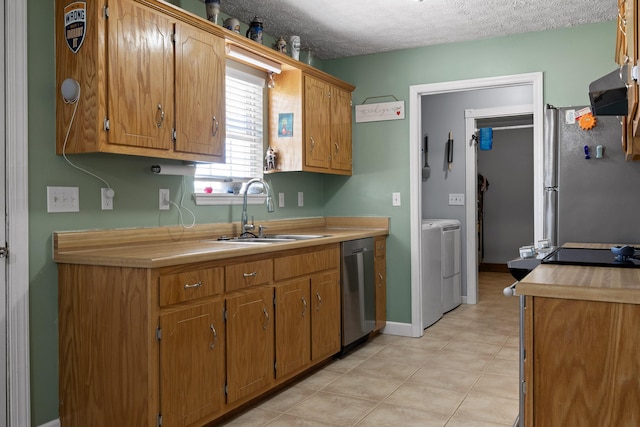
x: 608, y: 94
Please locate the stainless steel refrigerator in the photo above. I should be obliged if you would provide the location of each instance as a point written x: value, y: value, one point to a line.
x: 588, y: 200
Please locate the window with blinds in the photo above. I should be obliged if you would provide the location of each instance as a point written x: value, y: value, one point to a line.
x: 244, y: 127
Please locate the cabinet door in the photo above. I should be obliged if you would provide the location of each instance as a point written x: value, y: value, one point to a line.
x: 325, y: 315
x: 200, y: 83
x: 341, y: 129
x: 317, y: 113
x: 192, y: 363
x: 583, y: 363
x: 293, y: 327
x: 250, y: 335
x: 140, y: 76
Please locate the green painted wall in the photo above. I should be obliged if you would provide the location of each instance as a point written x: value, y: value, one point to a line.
x: 570, y: 59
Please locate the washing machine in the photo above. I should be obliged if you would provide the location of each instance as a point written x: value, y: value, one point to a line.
x: 431, y: 273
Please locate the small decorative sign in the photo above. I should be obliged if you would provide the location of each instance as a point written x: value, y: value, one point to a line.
x: 75, y: 24
x: 379, y: 112
x: 285, y: 125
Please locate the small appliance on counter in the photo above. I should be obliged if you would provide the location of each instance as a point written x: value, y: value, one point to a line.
x: 530, y: 257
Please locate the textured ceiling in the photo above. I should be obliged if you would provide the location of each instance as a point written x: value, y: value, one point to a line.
x: 342, y: 28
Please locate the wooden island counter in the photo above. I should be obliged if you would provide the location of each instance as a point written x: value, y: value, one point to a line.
x: 581, y: 345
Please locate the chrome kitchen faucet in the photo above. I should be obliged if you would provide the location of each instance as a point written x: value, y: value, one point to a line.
x: 270, y: 208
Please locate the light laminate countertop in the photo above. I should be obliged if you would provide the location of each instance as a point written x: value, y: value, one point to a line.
x: 169, y: 246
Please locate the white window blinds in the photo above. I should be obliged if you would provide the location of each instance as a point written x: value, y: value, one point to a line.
x: 244, y: 126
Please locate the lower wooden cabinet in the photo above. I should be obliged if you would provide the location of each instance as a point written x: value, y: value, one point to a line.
x: 293, y: 327
x: 183, y: 345
x: 325, y: 315
x: 307, y: 310
x: 250, y: 338
x: 192, y: 368
x: 380, y: 267
x: 582, y: 364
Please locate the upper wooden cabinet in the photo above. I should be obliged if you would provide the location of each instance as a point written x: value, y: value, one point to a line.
x: 143, y: 85
x: 310, y: 123
x: 152, y: 80
x: 626, y: 55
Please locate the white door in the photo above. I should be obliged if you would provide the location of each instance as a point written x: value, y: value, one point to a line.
x: 14, y: 225
x: 3, y: 223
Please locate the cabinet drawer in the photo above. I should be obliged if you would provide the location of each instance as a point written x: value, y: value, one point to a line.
x: 381, y: 247
x: 247, y: 274
x: 175, y: 288
x: 306, y: 263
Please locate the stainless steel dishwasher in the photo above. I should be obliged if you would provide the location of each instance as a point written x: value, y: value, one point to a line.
x: 358, y: 292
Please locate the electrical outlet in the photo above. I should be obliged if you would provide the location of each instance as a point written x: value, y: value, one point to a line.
x: 163, y: 199
x: 395, y: 199
x: 281, y: 200
x: 456, y: 199
x: 106, y: 199
x: 300, y: 199
x: 63, y: 199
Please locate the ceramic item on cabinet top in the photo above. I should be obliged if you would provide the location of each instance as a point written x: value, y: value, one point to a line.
x: 294, y: 42
x: 281, y: 45
x: 232, y: 24
x: 255, y: 30
x: 213, y: 10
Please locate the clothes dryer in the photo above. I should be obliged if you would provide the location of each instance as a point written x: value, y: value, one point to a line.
x: 431, y: 273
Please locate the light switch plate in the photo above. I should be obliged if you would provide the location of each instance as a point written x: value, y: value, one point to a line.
x: 63, y: 199
x: 395, y: 199
x: 281, y: 200
x: 456, y: 199
x: 300, y: 199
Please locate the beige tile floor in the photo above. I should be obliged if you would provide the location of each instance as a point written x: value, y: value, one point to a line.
x: 462, y: 372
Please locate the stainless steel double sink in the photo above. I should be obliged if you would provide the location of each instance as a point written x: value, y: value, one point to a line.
x: 272, y: 238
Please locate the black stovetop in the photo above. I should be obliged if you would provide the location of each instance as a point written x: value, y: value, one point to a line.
x: 591, y: 257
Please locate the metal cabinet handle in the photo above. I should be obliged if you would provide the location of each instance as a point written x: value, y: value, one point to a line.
x: 159, y: 123
x: 381, y: 279
x: 266, y: 318
x: 319, y: 304
x: 255, y: 273
x: 313, y: 143
x: 192, y: 285
x: 215, y: 126
x: 215, y: 337
x: 304, y: 303
x: 337, y: 147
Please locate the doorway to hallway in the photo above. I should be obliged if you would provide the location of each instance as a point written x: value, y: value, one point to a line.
x: 465, y: 165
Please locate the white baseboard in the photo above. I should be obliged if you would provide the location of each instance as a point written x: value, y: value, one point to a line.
x: 54, y: 423
x: 396, y: 328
